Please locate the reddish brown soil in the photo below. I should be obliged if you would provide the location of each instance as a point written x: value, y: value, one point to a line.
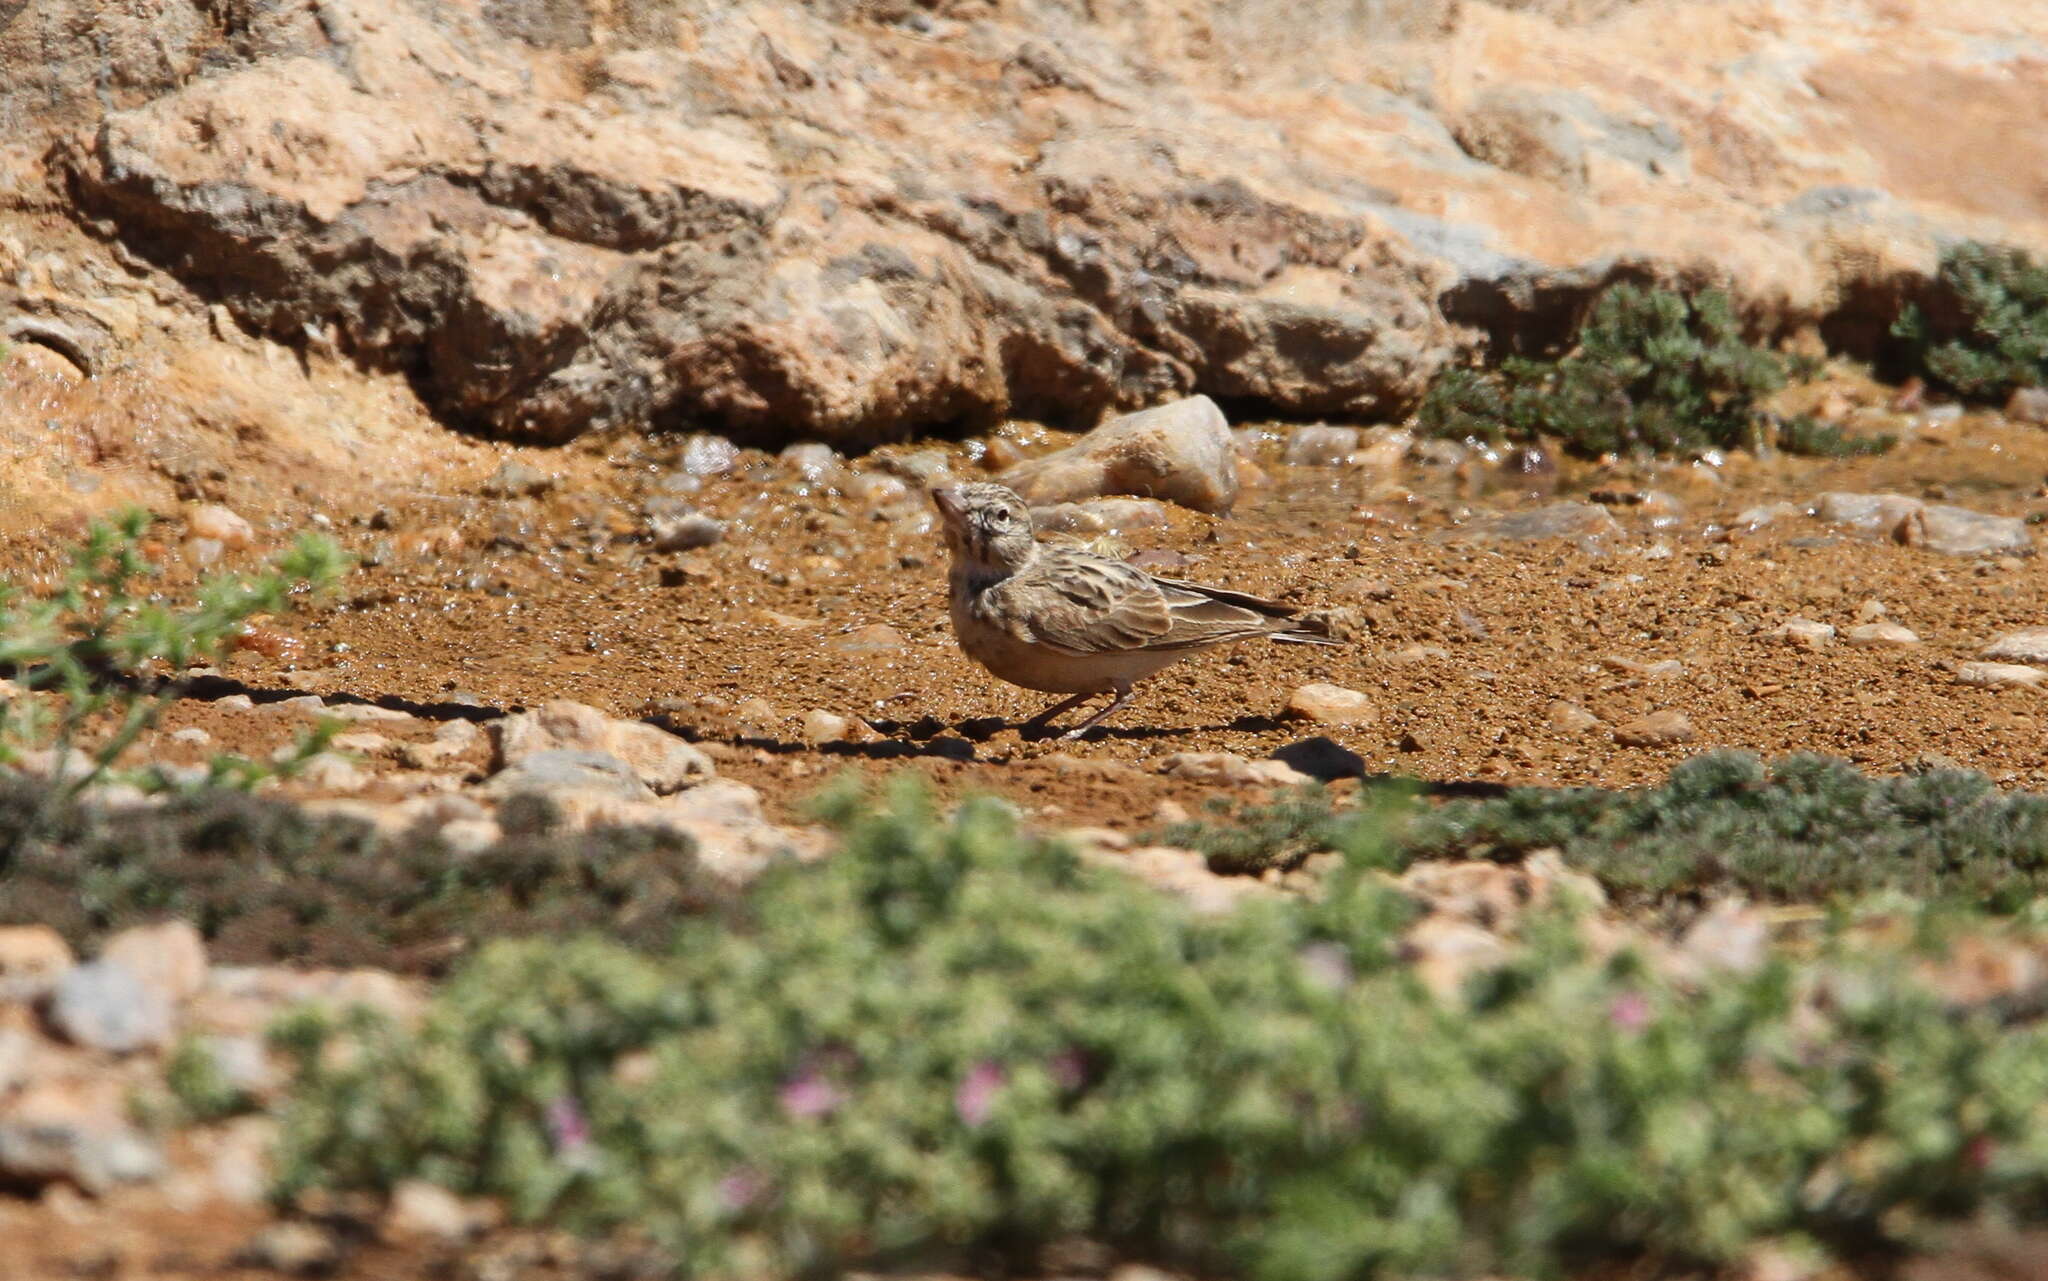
x: 478, y: 605
x: 477, y: 602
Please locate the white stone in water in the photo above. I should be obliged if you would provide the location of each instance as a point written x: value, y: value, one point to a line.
x: 1320, y: 446
x: 812, y: 460
x: 1767, y: 514
x: 686, y: 533
x: 877, y: 489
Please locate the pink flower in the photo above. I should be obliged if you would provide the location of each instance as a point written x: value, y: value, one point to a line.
x: 808, y: 1094
x: 1630, y: 1011
x: 976, y: 1096
x: 568, y: 1128
x: 739, y: 1190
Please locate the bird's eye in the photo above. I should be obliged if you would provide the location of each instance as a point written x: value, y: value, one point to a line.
x: 999, y: 517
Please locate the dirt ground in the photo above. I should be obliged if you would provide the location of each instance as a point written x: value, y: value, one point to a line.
x: 820, y: 597
x: 826, y: 594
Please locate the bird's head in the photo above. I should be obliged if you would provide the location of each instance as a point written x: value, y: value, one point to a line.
x: 987, y: 526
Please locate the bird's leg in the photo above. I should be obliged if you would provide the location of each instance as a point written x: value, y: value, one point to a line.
x: 1044, y: 718
x: 1123, y: 695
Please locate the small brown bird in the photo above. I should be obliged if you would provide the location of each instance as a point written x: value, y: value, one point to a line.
x: 1065, y: 621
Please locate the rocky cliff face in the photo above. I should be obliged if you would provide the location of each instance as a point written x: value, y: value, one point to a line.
x: 856, y: 220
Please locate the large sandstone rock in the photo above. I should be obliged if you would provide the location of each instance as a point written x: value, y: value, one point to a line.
x: 1182, y: 452
x: 655, y: 757
x: 785, y: 218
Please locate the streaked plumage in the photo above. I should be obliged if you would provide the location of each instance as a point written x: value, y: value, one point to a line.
x: 1066, y: 621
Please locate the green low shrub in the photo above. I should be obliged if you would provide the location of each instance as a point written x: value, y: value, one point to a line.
x: 953, y: 1045
x: 1985, y: 330
x: 267, y: 880
x: 106, y: 655
x: 1809, y: 437
x: 1650, y: 371
x: 1806, y: 827
x: 1245, y: 840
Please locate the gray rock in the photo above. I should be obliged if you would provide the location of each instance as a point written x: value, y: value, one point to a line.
x: 1766, y: 514
x: 1658, y: 729
x: 874, y: 638
x: 169, y: 956
x: 658, y: 758
x: 813, y: 461
x: 2029, y: 645
x: 1957, y: 531
x: 104, y: 1006
x: 1101, y: 516
x: 708, y: 455
x: 17, y: 1048
x: 1952, y: 531
x: 1227, y: 769
x: 2028, y: 405
x: 515, y: 479
x: 569, y: 770
x: 243, y: 1062
x: 920, y: 468
x: 1882, y: 635
x: 2000, y: 675
x: 37, y: 1150
x: 32, y: 959
x: 732, y: 834
x: 685, y: 532
x: 426, y: 1211
x: 291, y: 1247
x: 1867, y: 513
x: 1182, y: 452
x: 1320, y: 446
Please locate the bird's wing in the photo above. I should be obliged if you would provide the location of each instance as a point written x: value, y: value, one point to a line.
x: 1085, y: 604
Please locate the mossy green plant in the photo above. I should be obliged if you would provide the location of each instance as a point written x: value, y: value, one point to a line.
x: 267, y: 880
x: 1807, y: 827
x: 1650, y: 371
x: 953, y: 1044
x: 1984, y: 332
x: 101, y: 647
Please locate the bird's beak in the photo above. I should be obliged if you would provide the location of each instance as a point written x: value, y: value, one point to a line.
x: 947, y: 499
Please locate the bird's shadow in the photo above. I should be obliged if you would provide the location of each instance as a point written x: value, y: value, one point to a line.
x: 210, y: 688
x: 1319, y: 757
